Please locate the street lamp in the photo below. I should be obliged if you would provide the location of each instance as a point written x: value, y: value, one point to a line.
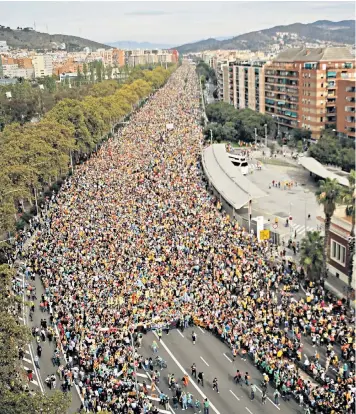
x: 306, y: 191
x: 211, y: 137
x: 265, y: 134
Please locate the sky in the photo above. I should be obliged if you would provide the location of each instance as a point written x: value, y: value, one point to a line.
x: 172, y: 23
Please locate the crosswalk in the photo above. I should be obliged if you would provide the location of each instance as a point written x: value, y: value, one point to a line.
x: 300, y: 229
x: 256, y: 166
x: 152, y: 397
x: 29, y: 365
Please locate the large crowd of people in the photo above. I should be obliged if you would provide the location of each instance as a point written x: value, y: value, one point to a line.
x: 134, y: 240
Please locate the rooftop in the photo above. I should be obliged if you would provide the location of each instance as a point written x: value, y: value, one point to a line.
x: 227, y: 179
x: 322, y: 54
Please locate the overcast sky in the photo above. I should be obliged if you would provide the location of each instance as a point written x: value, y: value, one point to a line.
x: 166, y: 22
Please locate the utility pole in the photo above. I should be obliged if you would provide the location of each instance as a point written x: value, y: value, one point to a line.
x: 211, y: 137
x: 255, y: 136
x: 266, y: 135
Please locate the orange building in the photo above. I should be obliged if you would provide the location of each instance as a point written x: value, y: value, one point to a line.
x: 346, y: 107
x: 68, y: 67
x: 301, y: 86
x: 6, y: 60
x: 118, y: 57
x: 24, y: 63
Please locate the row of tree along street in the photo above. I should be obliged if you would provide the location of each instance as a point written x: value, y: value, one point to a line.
x: 28, y: 100
x: 34, y: 156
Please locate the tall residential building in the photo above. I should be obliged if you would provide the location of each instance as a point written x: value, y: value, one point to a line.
x: 301, y: 86
x: 242, y: 84
x: 118, y: 57
x: 43, y: 65
x: 346, y: 107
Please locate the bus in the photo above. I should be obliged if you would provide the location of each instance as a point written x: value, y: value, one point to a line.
x: 239, y: 161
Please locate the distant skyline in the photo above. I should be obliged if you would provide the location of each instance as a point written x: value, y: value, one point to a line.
x: 173, y: 23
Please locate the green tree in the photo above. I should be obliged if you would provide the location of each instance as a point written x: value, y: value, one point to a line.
x: 328, y: 194
x: 311, y: 254
x: 108, y: 71
x: 85, y: 71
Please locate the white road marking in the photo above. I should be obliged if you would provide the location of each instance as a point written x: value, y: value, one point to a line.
x: 163, y: 411
x: 27, y: 360
x: 204, y: 361
x: 153, y: 398
x: 185, y: 372
x: 21, y: 319
x: 19, y: 279
x: 141, y: 375
x: 238, y: 399
x: 249, y: 410
x: 180, y: 333
x: 201, y: 329
x: 269, y: 399
x: 27, y: 352
x: 227, y: 357
x: 35, y: 382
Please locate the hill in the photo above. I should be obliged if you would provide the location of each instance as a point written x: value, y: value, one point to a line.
x: 30, y: 39
x: 138, y: 45
x: 337, y: 33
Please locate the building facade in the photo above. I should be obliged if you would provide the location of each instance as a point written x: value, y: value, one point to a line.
x: 346, y: 107
x: 43, y: 65
x: 301, y: 86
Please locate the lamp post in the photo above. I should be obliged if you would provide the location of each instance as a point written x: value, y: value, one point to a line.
x: 255, y: 136
x: 211, y: 137
x: 265, y: 134
x: 306, y: 191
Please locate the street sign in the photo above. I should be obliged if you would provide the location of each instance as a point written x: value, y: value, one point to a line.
x: 264, y: 234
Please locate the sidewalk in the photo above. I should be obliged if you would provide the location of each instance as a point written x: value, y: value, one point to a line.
x: 339, y: 289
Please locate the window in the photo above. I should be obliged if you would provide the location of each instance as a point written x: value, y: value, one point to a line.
x: 338, y: 252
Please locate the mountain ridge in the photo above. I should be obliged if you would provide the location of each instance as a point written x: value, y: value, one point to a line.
x: 342, y: 32
x: 30, y: 39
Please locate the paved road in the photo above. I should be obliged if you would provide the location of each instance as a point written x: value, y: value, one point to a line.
x: 213, y: 358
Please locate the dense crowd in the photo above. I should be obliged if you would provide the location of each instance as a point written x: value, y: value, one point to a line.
x: 134, y: 240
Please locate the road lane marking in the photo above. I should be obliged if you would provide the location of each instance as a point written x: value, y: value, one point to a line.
x: 201, y: 329
x: 185, y: 372
x: 238, y: 399
x: 249, y: 410
x: 269, y: 399
x: 141, y: 375
x: 204, y: 361
x: 147, y: 386
x: 27, y: 360
x: 227, y: 357
x: 180, y: 333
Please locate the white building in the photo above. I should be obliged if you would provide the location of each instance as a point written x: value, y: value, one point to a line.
x: 43, y: 65
x: 4, y: 48
x: 13, y: 71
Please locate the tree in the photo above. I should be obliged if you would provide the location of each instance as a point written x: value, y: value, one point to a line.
x: 108, y: 71
x: 311, y: 254
x: 328, y: 194
x: 349, y: 198
x: 85, y: 71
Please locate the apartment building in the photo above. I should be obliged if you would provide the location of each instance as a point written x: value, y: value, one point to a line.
x: 241, y: 83
x: 301, y: 86
x: 118, y: 57
x: 13, y: 71
x: 145, y: 57
x: 346, y: 107
x: 42, y: 65
x: 70, y: 66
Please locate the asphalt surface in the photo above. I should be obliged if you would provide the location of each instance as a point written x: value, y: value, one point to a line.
x: 214, y: 358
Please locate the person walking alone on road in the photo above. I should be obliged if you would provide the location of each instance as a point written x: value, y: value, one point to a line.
x: 194, y: 370
x: 201, y: 378
x: 39, y: 350
x: 253, y: 391
x: 237, y: 378
x: 154, y: 347
x: 247, y: 377
x: 215, y: 385
x: 194, y: 337
x: 264, y: 397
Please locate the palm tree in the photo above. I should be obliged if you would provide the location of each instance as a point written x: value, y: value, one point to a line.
x: 329, y: 195
x: 349, y: 199
x: 311, y: 254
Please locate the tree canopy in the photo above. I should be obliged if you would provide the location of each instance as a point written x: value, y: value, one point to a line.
x: 230, y: 124
x: 33, y: 155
